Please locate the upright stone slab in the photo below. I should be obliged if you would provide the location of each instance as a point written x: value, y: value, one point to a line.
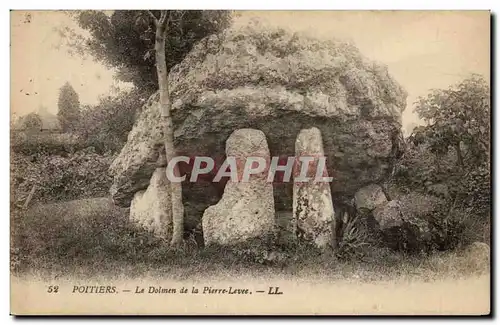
x: 246, y: 209
x: 312, y: 201
x: 151, y: 208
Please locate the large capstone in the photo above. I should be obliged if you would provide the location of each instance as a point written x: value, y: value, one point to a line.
x: 151, y: 208
x: 246, y: 210
x: 312, y: 199
x: 280, y: 83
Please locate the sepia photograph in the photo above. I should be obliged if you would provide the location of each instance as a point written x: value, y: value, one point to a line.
x: 232, y: 162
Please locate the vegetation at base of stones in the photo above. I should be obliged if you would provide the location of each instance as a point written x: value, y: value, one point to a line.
x: 93, y: 237
x: 354, y: 237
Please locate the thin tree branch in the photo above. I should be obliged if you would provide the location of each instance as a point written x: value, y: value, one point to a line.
x: 153, y: 16
x: 163, y: 17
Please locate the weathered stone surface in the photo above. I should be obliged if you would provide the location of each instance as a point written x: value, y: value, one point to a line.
x: 279, y: 83
x: 404, y: 222
x: 388, y: 215
x: 312, y: 200
x: 150, y: 208
x: 246, y: 209
x: 369, y: 197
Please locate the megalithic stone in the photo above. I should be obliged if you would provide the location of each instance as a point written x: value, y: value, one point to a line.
x: 246, y: 209
x: 312, y: 200
x: 151, y: 208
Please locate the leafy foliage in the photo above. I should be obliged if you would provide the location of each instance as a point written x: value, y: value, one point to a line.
x: 458, y: 117
x: 106, y: 125
x: 125, y: 40
x: 452, y: 153
x: 80, y: 174
x: 32, y: 121
x: 44, y: 143
x: 353, y: 240
x: 69, y: 107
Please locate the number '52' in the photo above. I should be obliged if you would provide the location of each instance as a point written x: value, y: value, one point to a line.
x: 53, y: 289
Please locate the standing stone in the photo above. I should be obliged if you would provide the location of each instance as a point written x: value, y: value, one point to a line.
x: 151, y: 208
x: 312, y: 201
x: 246, y: 209
x: 369, y: 197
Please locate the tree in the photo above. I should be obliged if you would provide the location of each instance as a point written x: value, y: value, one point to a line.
x: 32, y: 121
x: 125, y: 40
x: 68, y: 107
x: 106, y: 125
x: 458, y: 117
x: 162, y: 28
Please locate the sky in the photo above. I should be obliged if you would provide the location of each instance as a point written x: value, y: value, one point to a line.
x: 422, y: 50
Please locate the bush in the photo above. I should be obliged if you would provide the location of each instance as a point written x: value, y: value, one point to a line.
x: 32, y: 121
x: 44, y: 143
x: 106, y: 125
x: 80, y: 174
x: 353, y: 241
x: 458, y: 227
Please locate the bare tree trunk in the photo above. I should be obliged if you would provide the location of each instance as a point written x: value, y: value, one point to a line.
x: 165, y: 107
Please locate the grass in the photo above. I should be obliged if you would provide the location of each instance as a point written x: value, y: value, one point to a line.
x: 93, y: 238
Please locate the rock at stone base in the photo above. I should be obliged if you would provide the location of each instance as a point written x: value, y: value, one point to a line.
x: 388, y: 215
x: 151, y: 208
x: 401, y: 229
x: 246, y: 210
x: 312, y: 200
x: 369, y: 197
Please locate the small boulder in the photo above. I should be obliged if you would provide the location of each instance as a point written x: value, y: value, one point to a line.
x: 404, y: 222
x: 369, y: 197
x: 388, y: 215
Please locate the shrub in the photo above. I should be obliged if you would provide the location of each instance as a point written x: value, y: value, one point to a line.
x: 353, y: 239
x: 44, y: 143
x: 458, y: 227
x: 81, y: 174
x: 106, y: 125
x: 32, y: 121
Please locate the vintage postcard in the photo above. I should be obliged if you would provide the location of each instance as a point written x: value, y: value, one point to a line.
x: 193, y: 162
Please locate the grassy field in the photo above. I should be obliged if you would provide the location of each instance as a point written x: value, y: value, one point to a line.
x: 93, y: 238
